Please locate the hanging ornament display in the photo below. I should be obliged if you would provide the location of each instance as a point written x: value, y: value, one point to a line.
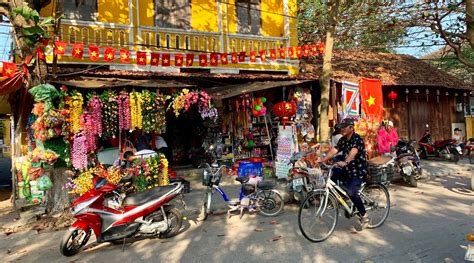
x: 75, y: 110
x: 427, y: 93
x: 124, y: 111
x: 95, y: 108
x: 284, y: 110
x: 78, y: 152
x: 437, y: 95
x: 258, y: 108
x: 393, y: 96
x: 185, y: 99
x: 136, y: 103
x: 109, y: 114
x: 407, y: 92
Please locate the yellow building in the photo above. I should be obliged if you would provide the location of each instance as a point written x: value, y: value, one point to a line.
x: 181, y: 26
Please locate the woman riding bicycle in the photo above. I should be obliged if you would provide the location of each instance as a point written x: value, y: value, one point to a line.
x: 353, y: 167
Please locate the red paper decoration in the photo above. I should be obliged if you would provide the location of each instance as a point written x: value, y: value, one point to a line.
x: 392, y: 96
x: 284, y: 110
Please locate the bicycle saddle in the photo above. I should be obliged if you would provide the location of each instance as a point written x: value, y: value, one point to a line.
x: 242, y: 179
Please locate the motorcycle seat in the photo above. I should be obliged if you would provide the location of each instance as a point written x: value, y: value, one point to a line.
x: 242, y: 179
x: 400, y: 156
x: 379, y: 160
x: 147, y: 195
x: 266, y: 185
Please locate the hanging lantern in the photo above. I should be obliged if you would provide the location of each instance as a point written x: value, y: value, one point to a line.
x: 406, y: 92
x: 321, y: 48
x: 284, y: 110
x: 437, y: 95
x: 427, y: 93
x: 417, y: 91
x: 393, y: 96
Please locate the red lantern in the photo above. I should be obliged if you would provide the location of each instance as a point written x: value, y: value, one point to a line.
x: 284, y: 110
x: 392, y: 96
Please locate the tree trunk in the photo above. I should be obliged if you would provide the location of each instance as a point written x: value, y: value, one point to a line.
x: 57, y: 196
x: 470, y: 22
x: 325, y: 79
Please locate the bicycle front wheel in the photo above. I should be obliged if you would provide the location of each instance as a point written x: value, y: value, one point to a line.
x: 377, y: 204
x: 317, y: 216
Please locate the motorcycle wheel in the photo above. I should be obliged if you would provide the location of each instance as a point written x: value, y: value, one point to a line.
x: 423, y: 154
x: 175, y: 221
x: 456, y: 156
x: 412, y: 181
x: 73, y: 241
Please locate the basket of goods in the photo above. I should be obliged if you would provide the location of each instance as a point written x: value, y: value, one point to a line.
x: 381, y: 170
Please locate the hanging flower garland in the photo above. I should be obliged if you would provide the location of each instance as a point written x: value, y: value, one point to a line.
x: 150, y: 111
x: 75, y: 110
x: 95, y: 108
x: 136, y: 102
x: 164, y: 178
x: 179, y: 102
x: 79, y: 152
x: 109, y: 114
x: 124, y: 111
x: 161, y: 112
x: 185, y: 99
x: 89, y: 130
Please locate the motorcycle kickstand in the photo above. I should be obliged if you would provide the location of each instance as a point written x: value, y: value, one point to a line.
x: 231, y: 210
x: 241, y: 212
x: 123, y: 244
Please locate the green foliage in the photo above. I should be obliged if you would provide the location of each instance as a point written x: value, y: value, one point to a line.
x: 451, y: 64
x: 33, y: 34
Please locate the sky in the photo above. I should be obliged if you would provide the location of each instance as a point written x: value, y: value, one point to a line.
x: 5, y: 42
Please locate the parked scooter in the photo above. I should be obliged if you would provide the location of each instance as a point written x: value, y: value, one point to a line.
x: 300, y: 180
x: 408, y: 162
x: 446, y: 149
x: 113, y: 216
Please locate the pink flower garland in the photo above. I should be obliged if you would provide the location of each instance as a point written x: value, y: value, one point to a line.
x: 125, y: 121
x: 95, y: 106
x: 89, y: 130
x: 78, y: 152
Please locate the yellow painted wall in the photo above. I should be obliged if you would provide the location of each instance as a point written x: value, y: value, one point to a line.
x: 231, y: 16
x: 469, y: 127
x: 114, y: 11
x: 204, y: 15
x: 146, y: 12
x: 272, y: 18
x: 293, y: 12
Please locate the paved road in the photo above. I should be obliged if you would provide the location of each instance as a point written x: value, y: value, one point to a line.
x: 426, y: 224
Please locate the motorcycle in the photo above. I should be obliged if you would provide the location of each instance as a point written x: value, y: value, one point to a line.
x: 446, y: 149
x: 408, y: 162
x: 113, y: 216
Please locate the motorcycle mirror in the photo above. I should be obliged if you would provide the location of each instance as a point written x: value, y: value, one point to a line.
x: 214, y: 165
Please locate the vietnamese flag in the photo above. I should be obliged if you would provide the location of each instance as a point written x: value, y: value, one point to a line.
x: 155, y: 59
x: 59, y: 48
x: 299, y: 53
x: 371, y: 98
x: 273, y: 54
x: 291, y: 52
x: 242, y: 56
x: 189, y: 60
x: 314, y: 49
x: 93, y: 52
x: 109, y: 54
x: 141, y: 58
x: 202, y: 60
x: 165, y: 60
x: 124, y: 55
x: 253, y: 56
x: 40, y: 53
x: 305, y: 50
x: 214, y: 58
x: 77, y: 50
x: 9, y: 69
x: 178, y: 60
x: 224, y: 60
x: 263, y: 57
x: 234, y: 58
x: 282, y: 53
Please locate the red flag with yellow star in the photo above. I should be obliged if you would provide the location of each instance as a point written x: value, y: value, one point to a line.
x: 141, y: 58
x: 9, y: 69
x: 314, y: 49
x: 299, y: 53
x: 242, y: 56
x: 178, y: 60
x: 77, y: 50
x: 40, y: 53
x: 125, y: 55
x: 224, y: 60
x: 202, y: 60
x: 282, y: 53
x: 273, y: 54
x: 234, y: 58
x: 214, y: 58
x: 93, y: 52
x: 306, y: 50
x: 291, y: 52
x: 372, y: 98
x: 155, y: 59
x: 263, y: 55
x: 59, y: 48
x: 189, y: 60
x: 109, y: 54
x: 253, y: 56
x: 165, y: 60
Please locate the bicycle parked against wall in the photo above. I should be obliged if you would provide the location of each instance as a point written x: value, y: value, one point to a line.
x: 260, y: 197
x: 318, y: 213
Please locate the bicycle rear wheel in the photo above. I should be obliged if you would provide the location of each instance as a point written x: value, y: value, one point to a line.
x: 377, y: 203
x: 317, y: 218
x: 269, y: 203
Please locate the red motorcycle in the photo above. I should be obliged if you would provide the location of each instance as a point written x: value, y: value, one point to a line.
x: 113, y: 217
x: 446, y: 149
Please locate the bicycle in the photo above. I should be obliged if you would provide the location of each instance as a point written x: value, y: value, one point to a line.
x: 260, y: 197
x: 325, y: 202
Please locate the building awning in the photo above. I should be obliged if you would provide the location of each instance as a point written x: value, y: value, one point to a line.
x: 229, y: 91
x: 96, y: 83
x: 9, y: 85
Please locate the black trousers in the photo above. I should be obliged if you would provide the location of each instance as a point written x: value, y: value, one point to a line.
x: 352, y: 183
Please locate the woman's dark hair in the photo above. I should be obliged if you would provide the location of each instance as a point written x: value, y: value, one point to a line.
x: 127, y: 154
